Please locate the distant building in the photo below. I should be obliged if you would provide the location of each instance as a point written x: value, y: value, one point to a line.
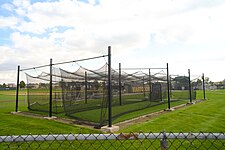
x: 11, y: 85
x: 207, y: 87
x: 33, y: 85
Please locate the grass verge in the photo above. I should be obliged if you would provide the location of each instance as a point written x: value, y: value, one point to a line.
x: 207, y: 116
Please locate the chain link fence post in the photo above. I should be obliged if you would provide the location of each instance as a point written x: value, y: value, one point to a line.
x: 164, y: 142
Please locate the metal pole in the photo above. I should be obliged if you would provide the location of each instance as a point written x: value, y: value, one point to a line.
x: 189, y: 78
x: 168, y: 85
x: 120, y: 85
x: 203, y: 84
x: 150, y: 85
x: 85, y: 86
x: 109, y: 89
x: 50, y: 90
x: 17, y: 88
x: 164, y: 142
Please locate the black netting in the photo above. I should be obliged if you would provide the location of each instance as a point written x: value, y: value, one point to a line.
x: 156, y: 93
x: 38, y: 92
x: 83, y: 94
x: 136, y: 94
x: 181, y: 89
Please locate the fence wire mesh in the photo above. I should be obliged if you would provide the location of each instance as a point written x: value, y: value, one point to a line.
x: 122, y: 141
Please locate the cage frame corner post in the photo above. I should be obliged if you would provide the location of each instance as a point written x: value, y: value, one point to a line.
x: 17, y: 88
x: 189, y: 82
x: 50, y: 90
x: 168, y: 85
x: 109, y: 89
x: 120, y: 85
x: 203, y: 86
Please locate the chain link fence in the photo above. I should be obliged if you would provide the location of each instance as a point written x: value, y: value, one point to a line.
x: 122, y: 141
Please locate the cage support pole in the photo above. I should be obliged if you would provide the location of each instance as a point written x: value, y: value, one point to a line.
x: 17, y: 88
x: 203, y: 85
x: 189, y: 78
x: 109, y: 89
x: 120, y: 85
x: 150, y: 85
x: 50, y: 90
x: 168, y: 85
x: 85, y: 91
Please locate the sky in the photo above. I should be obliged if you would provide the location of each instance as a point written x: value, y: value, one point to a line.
x: 187, y: 34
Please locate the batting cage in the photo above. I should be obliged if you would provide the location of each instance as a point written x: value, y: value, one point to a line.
x: 81, y: 94
x: 100, y: 96
x: 185, y: 87
x: 38, y: 93
x: 84, y: 94
x: 138, y: 89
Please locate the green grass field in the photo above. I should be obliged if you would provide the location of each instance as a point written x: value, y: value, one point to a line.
x: 206, y: 116
x: 133, y: 105
x: 13, y: 124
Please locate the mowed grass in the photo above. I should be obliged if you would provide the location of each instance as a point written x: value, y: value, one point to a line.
x: 133, y: 105
x: 207, y: 116
x: 126, y: 112
x: 11, y: 124
x: 132, y: 110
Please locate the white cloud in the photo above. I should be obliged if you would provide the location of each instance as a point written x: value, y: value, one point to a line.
x: 21, y: 4
x: 7, y: 52
x: 92, y: 2
x: 8, y: 21
x: 7, y: 6
x: 8, y: 77
x: 162, y: 28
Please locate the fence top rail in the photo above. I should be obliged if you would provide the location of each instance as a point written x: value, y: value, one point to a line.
x: 121, y: 136
x: 65, y: 62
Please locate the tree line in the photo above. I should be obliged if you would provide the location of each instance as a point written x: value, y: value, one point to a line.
x: 22, y: 85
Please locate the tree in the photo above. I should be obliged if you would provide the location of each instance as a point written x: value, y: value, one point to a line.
x: 199, y: 81
x: 196, y: 84
x: 4, y: 85
x: 206, y: 79
x: 211, y: 83
x: 223, y: 82
x: 22, y: 84
x: 96, y: 85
